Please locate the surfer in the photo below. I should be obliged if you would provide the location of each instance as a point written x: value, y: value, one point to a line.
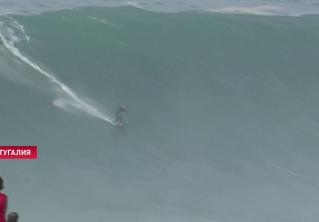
x: 119, y: 119
x: 13, y: 217
x: 3, y: 203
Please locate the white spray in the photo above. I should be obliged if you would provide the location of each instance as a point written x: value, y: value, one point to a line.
x: 73, y: 100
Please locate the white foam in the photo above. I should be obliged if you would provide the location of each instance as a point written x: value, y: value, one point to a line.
x: 254, y: 10
x: 19, y: 27
x: 135, y: 4
x: 69, y: 97
x: 103, y: 21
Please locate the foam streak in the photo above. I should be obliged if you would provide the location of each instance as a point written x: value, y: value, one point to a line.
x: 75, y: 100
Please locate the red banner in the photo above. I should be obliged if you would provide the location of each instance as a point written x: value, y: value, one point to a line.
x: 18, y: 152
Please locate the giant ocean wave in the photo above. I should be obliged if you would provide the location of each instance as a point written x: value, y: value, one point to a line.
x: 222, y: 121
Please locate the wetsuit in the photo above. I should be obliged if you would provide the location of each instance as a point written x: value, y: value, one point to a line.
x: 118, y: 119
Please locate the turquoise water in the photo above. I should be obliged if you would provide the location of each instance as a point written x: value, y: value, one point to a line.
x: 222, y: 120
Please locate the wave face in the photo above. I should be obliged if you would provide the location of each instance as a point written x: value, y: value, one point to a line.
x: 222, y: 121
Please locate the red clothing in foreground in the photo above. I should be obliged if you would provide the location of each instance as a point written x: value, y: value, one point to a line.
x: 3, y: 207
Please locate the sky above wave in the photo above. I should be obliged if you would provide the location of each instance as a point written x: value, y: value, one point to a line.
x: 260, y: 7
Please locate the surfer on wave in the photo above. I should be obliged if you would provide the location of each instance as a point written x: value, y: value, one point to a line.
x: 119, y: 120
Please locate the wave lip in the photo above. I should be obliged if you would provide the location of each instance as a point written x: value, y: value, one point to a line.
x: 258, y: 7
x: 134, y: 4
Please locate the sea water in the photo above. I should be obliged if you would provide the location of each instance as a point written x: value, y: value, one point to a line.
x: 222, y: 122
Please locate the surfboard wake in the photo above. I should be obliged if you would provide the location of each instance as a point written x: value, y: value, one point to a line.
x: 12, y: 32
